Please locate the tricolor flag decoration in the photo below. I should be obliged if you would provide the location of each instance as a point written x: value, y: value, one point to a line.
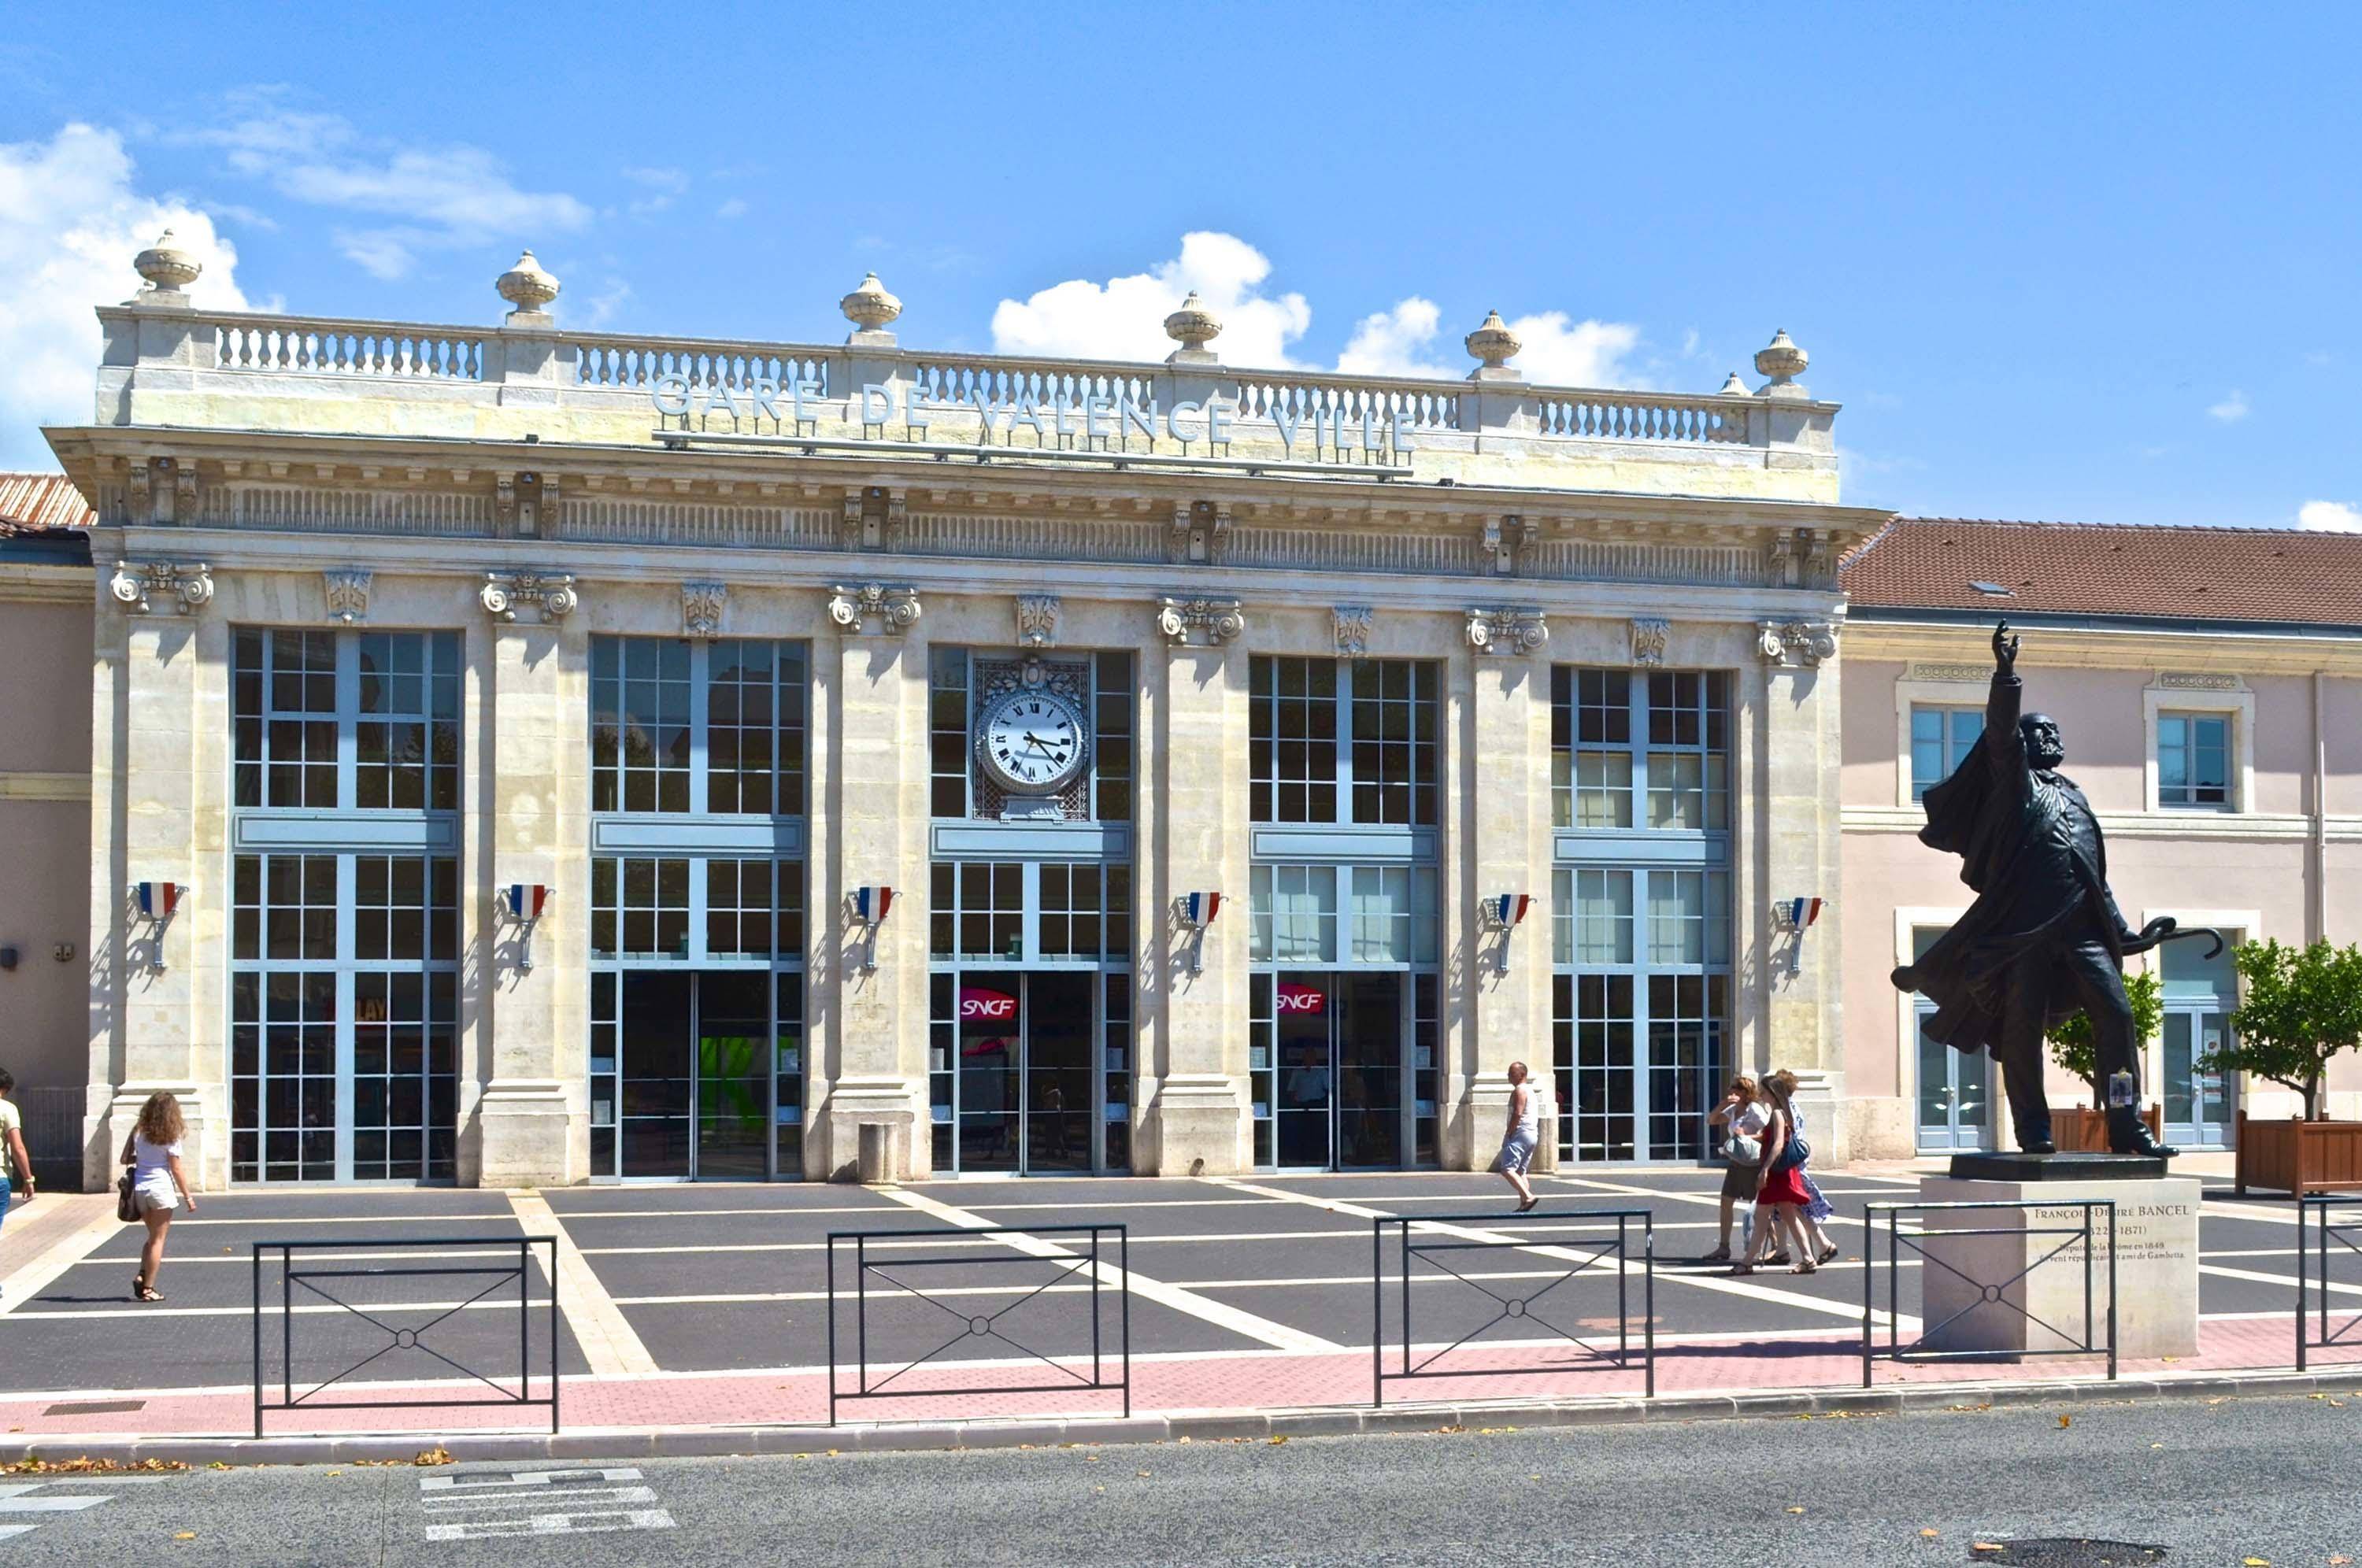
x: 1199, y: 909
x: 158, y: 900
x: 527, y: 899
x: 1803, y: 912
x: 1510, y: 909
x: 870, y: 904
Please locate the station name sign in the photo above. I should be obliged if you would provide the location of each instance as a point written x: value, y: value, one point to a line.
x: 1096, y: 415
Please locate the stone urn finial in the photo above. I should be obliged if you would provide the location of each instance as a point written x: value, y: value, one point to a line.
x: 1493, y: 343
x: 870, y: 307
x: 527, y: 285
x: 1781, y: 360
x: 1733, y: 387
x: 1193, y: 325
x: 166, y: 266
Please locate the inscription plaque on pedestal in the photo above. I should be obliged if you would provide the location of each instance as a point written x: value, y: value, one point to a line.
x: 2018, y: 1292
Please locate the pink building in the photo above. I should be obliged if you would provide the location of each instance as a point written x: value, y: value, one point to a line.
x: 2209, y: 684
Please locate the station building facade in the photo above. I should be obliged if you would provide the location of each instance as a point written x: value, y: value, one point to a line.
x: 528, y: 756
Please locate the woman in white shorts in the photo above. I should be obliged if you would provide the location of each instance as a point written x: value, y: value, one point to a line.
x: 153, y: 1152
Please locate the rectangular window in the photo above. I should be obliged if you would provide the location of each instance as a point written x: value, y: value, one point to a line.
x: 1294, y: 914
x: 307, y: 995
x: 1115, y: 1064
x: 977, y: 909
x: 789, y: 1094
x: 753, y: 909
x: 639, y: 725
x: 283, y: 718
x: 754, y: 728
x: 1591, y: 916
x: 296, y: 696
x: 1689, y: 750
x: 1333, y: 741
x: 1292, y: 740
x: 947, y: 730
x: 406, y: 737
x: 1940, y: 739
x: 1111, y: 755
x: 2194, y: 762
x: 639, y: 906
x: 1654, y: 750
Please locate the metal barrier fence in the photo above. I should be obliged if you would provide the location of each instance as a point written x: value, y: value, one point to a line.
x: 1058, y: 1262
x: 2316, y: 1227
x: 295, y: 1272
x: 1436, y: 1239
x: 1979, y: 1292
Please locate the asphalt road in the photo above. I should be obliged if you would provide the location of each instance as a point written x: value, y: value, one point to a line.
x: 2218, y: 1482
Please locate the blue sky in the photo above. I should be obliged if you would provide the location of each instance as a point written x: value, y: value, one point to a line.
x: 2097, y: 264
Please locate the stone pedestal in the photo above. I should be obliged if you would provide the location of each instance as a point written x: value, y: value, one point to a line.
x: 2010, y: 1293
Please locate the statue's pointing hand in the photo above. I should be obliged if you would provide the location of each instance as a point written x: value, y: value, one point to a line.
x: 2004, y: 648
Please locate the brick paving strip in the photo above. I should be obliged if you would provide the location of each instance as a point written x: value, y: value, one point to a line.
x: 1277, y: 1391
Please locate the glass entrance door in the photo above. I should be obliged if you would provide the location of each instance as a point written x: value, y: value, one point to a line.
x: 1015, y: 1059
x: 691, y: 1065
x: 2197, y: 1107
x: 1954, y: 1094
x: 1333, y: 1073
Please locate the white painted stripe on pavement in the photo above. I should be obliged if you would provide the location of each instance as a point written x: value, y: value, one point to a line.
x: 609, y: 1343
x: 1222, y: 1315
x: 73, y: 1247
x: 2334, y: 1286
x: 1721, y: 1283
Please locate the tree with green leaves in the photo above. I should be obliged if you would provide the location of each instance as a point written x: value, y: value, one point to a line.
x: 2298, y: 1008
x: 2073, y: 1048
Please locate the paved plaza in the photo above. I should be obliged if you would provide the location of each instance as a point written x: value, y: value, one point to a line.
x: 690, y: 1306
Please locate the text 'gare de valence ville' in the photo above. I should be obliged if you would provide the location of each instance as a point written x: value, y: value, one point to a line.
x: 577, y: 757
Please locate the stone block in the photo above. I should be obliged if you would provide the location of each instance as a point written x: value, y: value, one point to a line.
x: 2023, y: 1288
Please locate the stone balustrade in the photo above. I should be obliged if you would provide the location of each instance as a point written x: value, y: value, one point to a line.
x: 168, y: 362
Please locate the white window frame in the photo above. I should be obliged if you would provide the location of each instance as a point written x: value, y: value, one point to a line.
x: 1919, y: 693
x: 2238, y: 705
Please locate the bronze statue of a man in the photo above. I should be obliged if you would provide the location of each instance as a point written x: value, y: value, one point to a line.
x: 2043, y: 937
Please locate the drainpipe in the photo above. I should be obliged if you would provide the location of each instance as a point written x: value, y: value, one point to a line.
x: 2320, y: 911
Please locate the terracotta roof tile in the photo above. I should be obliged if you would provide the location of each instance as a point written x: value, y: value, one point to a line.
x: 31, y: 503
x: 2084, y: 569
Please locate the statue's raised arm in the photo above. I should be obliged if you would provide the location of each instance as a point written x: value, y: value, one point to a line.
x: 2004, y: 648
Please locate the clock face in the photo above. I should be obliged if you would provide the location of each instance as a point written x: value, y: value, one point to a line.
x: 1033, y: 742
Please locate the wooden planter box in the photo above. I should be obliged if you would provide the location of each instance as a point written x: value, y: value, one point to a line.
x: 2078, y: 1130
x: 2297, y: 1157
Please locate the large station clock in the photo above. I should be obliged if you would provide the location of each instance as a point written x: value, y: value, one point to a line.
x: 1032, y: 741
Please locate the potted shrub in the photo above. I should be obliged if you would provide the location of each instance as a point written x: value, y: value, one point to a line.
x: 2299, y: 1007
x: 2080, y: 1128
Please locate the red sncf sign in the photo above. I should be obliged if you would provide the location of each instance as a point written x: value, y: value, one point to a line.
x: 977, y: 1005
x: 1301, y: 998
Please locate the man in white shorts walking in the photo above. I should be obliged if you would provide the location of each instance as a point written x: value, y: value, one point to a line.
x: 1518, y: 1145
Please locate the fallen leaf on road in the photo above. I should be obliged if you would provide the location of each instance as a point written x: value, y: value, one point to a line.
x: 1143, y: 1473
x: 2065, y: 1420
x: 184, y: 1535
x: 1280, y: 1439
x: 1928, y: 1534
x: 2339, y: 1561
x: 2255, y: 1563
x: 1986, y: 1549
x: 2156, y: 1445
x: 1796, y: 1510
x: 438, y: 1454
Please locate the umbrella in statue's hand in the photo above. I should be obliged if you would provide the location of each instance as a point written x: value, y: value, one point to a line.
x: 2164, y: 929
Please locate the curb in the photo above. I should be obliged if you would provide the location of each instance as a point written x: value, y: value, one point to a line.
x: 935, y: 1437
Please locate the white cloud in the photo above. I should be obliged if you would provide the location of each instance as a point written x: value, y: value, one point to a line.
x: 444, y: 198
x: 2330, y: 517
x: 735, y: 207
x: 1394, y: 342
x: 663, y: 187
x: 1559, y: 351
x: 2231, y: 409
x: 1123, y: 318
x: 70, y: 220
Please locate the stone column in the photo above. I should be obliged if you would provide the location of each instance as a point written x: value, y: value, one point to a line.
x: 159, y: 737
x: 1497, y: 803
x: 1194, y: 1027
x: 526, y: 1032
x: 1790, y: 809
x: 870, y: 826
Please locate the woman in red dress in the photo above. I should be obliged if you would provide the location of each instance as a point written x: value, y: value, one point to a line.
x: 1779, y: 1187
